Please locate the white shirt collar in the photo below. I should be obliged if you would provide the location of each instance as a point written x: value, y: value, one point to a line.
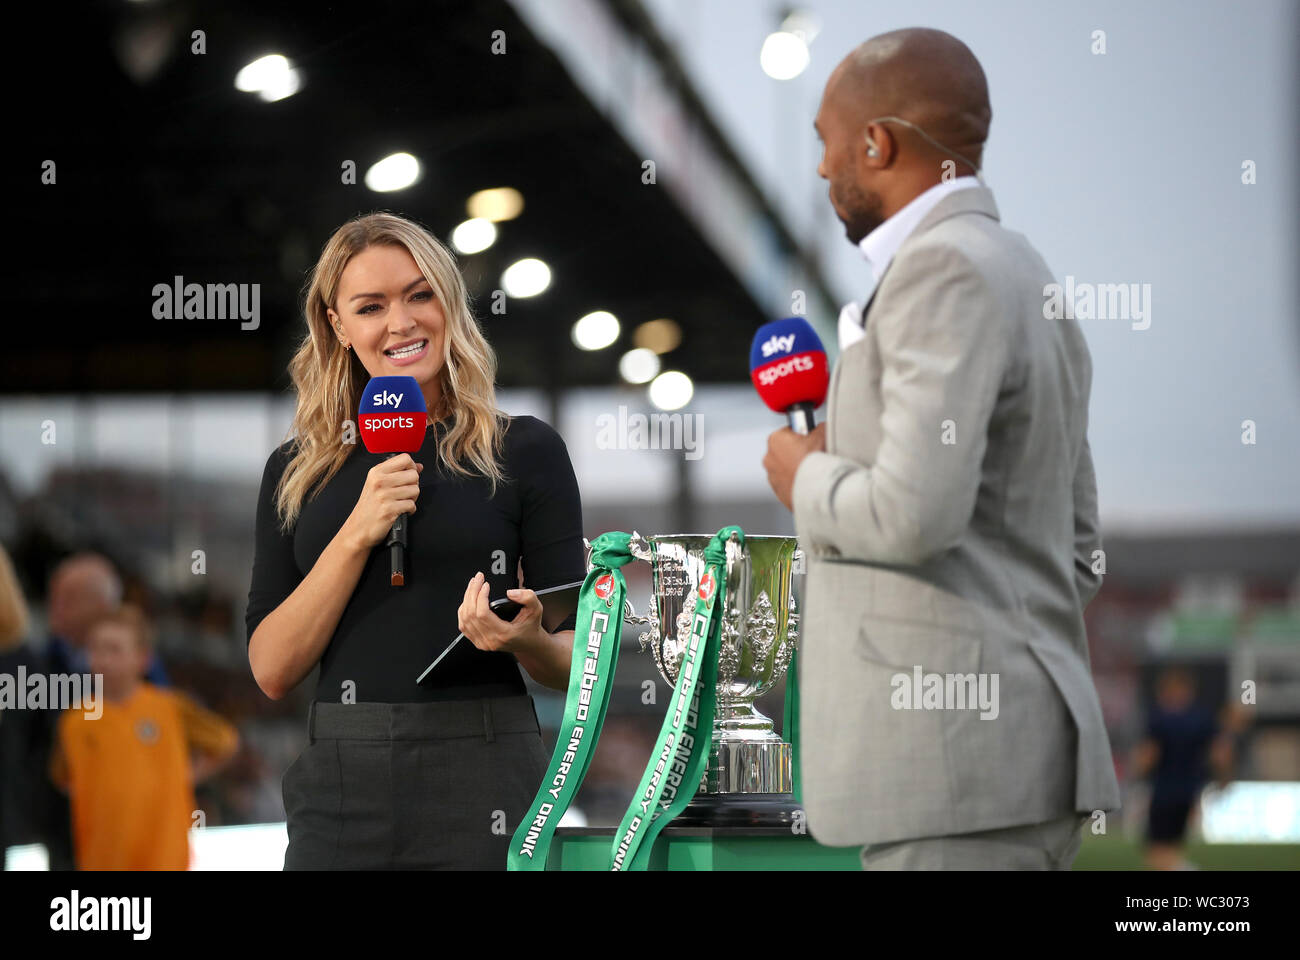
x: 880, y: 245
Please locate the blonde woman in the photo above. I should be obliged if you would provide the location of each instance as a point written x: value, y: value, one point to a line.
x: 395, y: 774
x: 23, y: 733
x: 13, y: 607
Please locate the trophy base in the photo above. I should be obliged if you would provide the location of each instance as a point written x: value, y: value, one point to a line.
x: 748, y: 766
x: 739, y: 810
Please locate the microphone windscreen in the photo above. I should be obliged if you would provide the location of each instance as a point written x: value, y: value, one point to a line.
x: 788, y: 364
x: 393, y: 416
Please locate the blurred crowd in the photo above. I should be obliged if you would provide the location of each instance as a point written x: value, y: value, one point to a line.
x: 163, y: 745
x: 100, y: 754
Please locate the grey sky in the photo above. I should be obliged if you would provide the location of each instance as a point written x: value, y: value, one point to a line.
x: 1121, y: 168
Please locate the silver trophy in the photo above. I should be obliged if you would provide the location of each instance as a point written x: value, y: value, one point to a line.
x: 748, y: 776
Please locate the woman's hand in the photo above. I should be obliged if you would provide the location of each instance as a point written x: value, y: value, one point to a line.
x: 391, y: 489
x: 487, y: 631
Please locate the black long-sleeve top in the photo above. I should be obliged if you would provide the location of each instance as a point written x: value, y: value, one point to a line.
x: 387, y: 635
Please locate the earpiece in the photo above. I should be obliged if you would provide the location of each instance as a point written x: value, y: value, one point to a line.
x: 873, y: 152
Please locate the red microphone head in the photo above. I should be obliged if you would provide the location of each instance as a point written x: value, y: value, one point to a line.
x: 788, y: 364
x: 393, y: 416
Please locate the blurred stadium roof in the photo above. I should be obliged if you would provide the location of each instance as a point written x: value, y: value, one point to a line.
x: 165, y: 169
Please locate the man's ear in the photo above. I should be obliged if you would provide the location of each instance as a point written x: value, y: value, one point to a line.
x: 878, y: 145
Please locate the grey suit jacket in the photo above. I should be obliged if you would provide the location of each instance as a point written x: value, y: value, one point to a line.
x: 950, y: 528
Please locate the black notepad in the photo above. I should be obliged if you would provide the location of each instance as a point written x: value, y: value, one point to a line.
x: 557, y: 603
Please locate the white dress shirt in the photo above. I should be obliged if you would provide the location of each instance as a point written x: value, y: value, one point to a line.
x: 880, y: 245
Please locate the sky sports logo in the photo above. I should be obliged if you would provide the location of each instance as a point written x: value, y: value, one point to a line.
x: 787, y: 365
x: 384, y: 421
x: 778, y: 344
x: 771, y: 374
x: 391, y: 422
x: 393, y: 415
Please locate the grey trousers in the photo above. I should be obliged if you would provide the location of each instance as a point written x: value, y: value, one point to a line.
x: 424, y: 786
x: 1052, y: 845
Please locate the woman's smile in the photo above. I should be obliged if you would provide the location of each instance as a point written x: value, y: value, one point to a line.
x: 408, y: 352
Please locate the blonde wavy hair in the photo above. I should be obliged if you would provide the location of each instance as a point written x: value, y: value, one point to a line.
x: 13, y: 608
x: 329, y: 378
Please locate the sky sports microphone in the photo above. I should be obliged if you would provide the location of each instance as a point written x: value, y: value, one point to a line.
x: 392, y: 420
x: 788, y: 366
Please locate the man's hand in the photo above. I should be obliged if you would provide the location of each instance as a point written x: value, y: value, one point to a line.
x: 785, y: 451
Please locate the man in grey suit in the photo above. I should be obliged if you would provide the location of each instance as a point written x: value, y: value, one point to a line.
x: 947, y: 507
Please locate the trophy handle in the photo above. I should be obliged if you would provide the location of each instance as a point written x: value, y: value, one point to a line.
x: 629, y: 611
x: 640, y: 548
x: 648, y: 637
x: 735, y: 554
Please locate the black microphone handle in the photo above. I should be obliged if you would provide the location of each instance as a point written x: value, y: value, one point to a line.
x: 396, y: 543
x: 802, y: 418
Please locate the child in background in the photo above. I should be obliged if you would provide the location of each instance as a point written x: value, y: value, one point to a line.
x: 130, y: 773
x: 1185, y: 745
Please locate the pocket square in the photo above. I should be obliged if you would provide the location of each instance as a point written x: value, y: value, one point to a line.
x: 850, y: 325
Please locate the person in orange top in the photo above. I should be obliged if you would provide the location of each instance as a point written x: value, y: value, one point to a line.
x: 130, y: 772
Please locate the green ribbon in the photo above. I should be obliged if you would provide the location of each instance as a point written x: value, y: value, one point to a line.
x: 676, y: 766
x: 790, y: 726
x: 596, y: 638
